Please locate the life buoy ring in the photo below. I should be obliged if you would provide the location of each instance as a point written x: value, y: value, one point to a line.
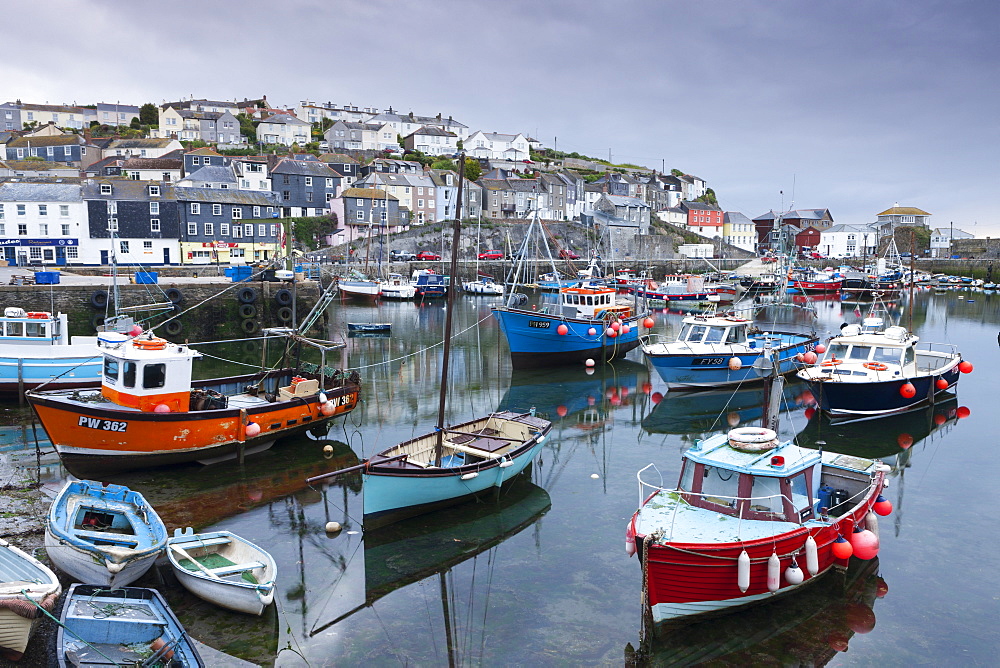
x: 283, y: 297
x: 174, y: 295
x: 249, y: 326
x: 149, y: 344
x: 248, y: 311
x: 284, y: 314
x: 833, y: 361
x: 875, y: 366
x: 247, y: 295
x: 173, y: 328
x: 99, y: 299
x: 39, y: 315
x: 752, y: 439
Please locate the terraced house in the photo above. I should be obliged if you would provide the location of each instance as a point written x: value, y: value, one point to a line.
x: 142, y: 216
x: 69, y: 149
x: 41, y: 222
x: 304, y: 187
x: 227, y: 226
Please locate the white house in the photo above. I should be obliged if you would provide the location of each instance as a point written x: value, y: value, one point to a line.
x: 941, y: 239
x: 142, y: 148
x: 497, y: 146
x: 41, y: 222
x: 284, y: 129
x: 843, y: 241
x: 431, y: 141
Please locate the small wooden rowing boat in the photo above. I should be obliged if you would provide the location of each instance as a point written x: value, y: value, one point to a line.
x: 25, y: 584
x: 128, y: 626
x: 223, y: 569
x: 103, y: 535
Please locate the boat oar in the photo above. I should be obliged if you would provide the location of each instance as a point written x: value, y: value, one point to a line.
x: 349, y: 469
x: 180, y: 551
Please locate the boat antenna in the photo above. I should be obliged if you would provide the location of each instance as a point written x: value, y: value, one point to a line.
x: 453, y: 271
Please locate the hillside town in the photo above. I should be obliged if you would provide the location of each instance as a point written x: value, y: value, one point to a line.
x: 199, y: 181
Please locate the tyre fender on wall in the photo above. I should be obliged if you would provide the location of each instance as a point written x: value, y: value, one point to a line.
x: 174, y: 295
x: 248, y: 311
x: 173, y: 328
x: 284, y: 314
x: 283, y: 297
x: 99, y: 299
x: 249, y: 326
x: 246, y: 295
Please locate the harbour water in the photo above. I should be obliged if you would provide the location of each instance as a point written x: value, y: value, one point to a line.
x: 539, y: 575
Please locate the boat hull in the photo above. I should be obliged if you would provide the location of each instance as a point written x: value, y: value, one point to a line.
x: 26, y: 367
x: 103, y: 438
x: 366, y: 291
x: 83, y: 565
x: 235, y: 593
x: 693, y: 371
x: 534, y: 340
x: 18, y: 616
x: 817, y: 286
x: 876, y: 398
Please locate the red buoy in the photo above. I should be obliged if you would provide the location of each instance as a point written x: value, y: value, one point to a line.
x: 809, y: 357
x: 865, y: 543
x: 809, y: 413
x: 562, y: 330
x: 616, y: 325
x: 963, y: 412
x: 657, y: 397
x: 904, y: 440
x: 647, y: 388
x: 561, y: 411
x: 907, y: 390
x: 882, y: 506
x: 965, y: 367
x: 611, y: 332
x: 939, y: 419
x: 842, y: 549
x: 941, y: 383
x: 648, y: 323
x: 820, y: 349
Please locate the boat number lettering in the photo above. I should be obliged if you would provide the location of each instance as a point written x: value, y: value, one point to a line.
x: 344, y: 400
x: 540, y: 324
x: 103, y: 425
x: 709, y: 361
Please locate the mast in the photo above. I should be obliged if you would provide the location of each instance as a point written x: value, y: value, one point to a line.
x: 456, y: 234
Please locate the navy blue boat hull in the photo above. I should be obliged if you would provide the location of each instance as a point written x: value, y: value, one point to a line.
x: 879, y: 398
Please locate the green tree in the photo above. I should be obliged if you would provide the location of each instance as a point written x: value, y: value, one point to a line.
x: 676, y: 172
x: 136, y: 124
x: 149, y: 114
x: 444, y: 163
x: 472, y: 169
x: 248, y: 127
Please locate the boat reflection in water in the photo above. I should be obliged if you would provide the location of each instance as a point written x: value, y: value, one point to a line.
x: 420, y: 548
x: 709, y: 411
x: 808, y: 628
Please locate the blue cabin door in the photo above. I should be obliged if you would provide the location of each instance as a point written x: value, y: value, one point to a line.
x: 104, y: 257
x: 166, y: 256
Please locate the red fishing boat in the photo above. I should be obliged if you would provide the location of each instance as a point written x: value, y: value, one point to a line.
x: 147, y: 411
x: 752, y: 519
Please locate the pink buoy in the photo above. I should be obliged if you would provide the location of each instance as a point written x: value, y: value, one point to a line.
x: 561, y: 411
x: 656, y: 397
x: 820, y: 349
x: 735, y: 364
x: 161, y: 408
x: 611, y: 332
x: 616, y: 325
x: 253, y: 429
x: 625, y: 329
x: 562, y: 330
x: 135, y: 331
x: 591, y: 332
x: 327, y: 408
x: 809, y: 357
x: 865, y: 543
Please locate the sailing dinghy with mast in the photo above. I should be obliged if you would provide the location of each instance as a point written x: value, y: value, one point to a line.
x: 450, y: 463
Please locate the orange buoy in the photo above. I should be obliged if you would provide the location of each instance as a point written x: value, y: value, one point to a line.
x: 904, y: 440
x: 907, y: 390
x: 941, y: 383
x: 964, y: 366
x: 963, y: 412
x: 648, y: 323
x: 562, y: 330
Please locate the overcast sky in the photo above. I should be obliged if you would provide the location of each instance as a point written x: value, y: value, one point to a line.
x: 852, y: 106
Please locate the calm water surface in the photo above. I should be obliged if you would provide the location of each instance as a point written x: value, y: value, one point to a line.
x: 539, y: 576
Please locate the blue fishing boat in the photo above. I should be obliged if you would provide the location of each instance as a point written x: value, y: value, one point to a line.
x: 721, y: 350
x: 103, y: 535
x: 429, y: 285
x: 35, y: 348
x: 872, y: 369
x: 590, y: 321
x: 127, y: 626
x: 450, y: 463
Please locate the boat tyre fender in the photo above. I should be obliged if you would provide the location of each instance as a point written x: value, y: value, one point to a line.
x: 875, y: 366
x: 752, y: 439
x: 99, y: 299
x: 283, y: 297
x: 246, y: 295
x: 284, y: 314
x: 248, y: 311
x: 249, y: 326
x: 175, y: 295
x: 173, y: 328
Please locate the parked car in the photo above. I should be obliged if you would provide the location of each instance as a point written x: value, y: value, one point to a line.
x: 567, y: 254
x: 401, y: 256
x: 491, y: 255
x: 427, y: 255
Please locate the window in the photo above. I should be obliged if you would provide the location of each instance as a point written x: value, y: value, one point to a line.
x: 216, y: 209
x: 195, y: 160
x: 237, y: 231
x: 209, y: 229
x: 1, y: 211
x: 154, y: 208
x: 22, y: 209
x: 284, y: 179
x: 245, y: 184
x: 285, y: 195
x: 256, y: 212
x: 192, y: 229
x: 147, y: 246
x: 43, y: 209
x: 274, y: 230
x: 223, y: 229
x: 361, y: 215
x: 195, y: 208
x: 261, y: 230
x: 309, y: 196
x: 123, y: 246
x: 50, y: 151
x: 22, y: 229
x: 105, y: 188
x: 237, y: 212
x: 35, y: 253
x: 43, y: 229
x: 72, y: 253
x: 111, y: 369
x: 309, y: 181
x: 329, y: 183
x: 248, y: 230
x: 65, y: 229
x: 113, y: 224
x: 420, y: 203
x: 154, y: 191
x: 154, y: 224
x: 154, y: 375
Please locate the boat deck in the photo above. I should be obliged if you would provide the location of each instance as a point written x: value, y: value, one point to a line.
x: 96, y: 400
x: 701, y: 525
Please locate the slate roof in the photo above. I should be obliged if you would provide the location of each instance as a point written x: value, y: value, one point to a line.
x: 203, y: 151
x: 304, y: 168
x: 104, y: 106
x: 126, y: 189
x: 804, y: 214
x: 212, y: 174
x: 285, y: 119
x: 621, y: 200
x: 64, y: 109
x: 432, y: 131
x: 227, y: 196
x: 57, y: 140
x: 38, y: 166
x: 341, y: 158
x: 39, y: 191
x: 735, y: 218
x: 368, y: 193
x: 699, y: 206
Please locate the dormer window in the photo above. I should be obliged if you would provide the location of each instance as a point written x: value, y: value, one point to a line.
x: 154, y: 191
x: 105, y: 189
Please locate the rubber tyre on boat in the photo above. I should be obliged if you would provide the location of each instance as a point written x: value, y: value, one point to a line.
x: 174, y: 295
x: 173, y: 328
x: 283, y: 297
x: 99, y: 299
x: 284, y: 314
x: 246, y: 295
x: 248, y: 311
x: 249, y: 326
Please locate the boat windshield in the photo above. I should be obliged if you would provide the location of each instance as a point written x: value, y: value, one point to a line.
x: 738, y: 334
x: 720, y: 486
x: 693, y: 333
x: 836, y: 351
x: 715, y: 334
x: 766, y: 493
x: 887, y: 355
x: 859, y: 353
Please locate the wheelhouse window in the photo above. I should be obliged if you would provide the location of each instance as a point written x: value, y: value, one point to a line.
x: 720, y: 486
x: 694, y: 333
x: 37, y: 329
x: 111, y: 369
x: 859, y: 353
x: 887, y: 355
x: 715, y: 334
x: 836, y: 351
x: 154, y: 376
x: 15, y: 329
x: 765, y: 495
x: 128, y: 378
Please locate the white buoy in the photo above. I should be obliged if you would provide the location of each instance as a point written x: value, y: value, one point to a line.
x: 594, y: 476
x: 735, y: 364
x: 589, y: 362
x: 773, y: 572
x: 743, y: 571
x: 812, y: 556
x: 327, y: 448
x: 629, y: 539
x: 793, y: 574
x: 322, y: 397
x: 333, y: 527
x: 871, y: 523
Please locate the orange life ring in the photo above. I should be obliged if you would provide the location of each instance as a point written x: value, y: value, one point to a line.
x: 833, y: 361
x: 875, y: 366
x: 149, y: 344
x: 39, y: 315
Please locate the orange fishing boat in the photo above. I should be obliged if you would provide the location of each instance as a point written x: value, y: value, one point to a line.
x: 149, y: 412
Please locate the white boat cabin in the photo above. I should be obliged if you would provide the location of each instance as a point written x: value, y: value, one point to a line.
x: 714, y: 330
x: 593, y: 302
x: 146, y: 373
x: 33, y: 328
